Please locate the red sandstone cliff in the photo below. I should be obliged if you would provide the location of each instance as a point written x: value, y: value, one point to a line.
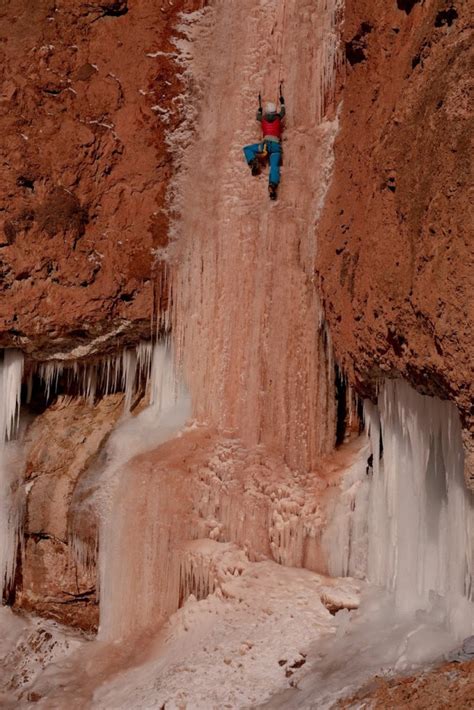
x: 87, y: 91
x: 395, y: 243
x: 84, y: 175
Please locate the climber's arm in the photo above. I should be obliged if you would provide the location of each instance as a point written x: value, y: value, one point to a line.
x: 282, y: 106
x: 260, y: 110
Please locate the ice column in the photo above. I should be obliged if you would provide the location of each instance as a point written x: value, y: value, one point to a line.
x: 404, y: 518
x: 420, y: 519
x: 138, y: 563
x: 11, y: 372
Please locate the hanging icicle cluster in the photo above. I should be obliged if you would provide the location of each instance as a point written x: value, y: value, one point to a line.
x: 404, y: 518
x: 131, y: 371
x: 126, y: 372
x: 11, y: 373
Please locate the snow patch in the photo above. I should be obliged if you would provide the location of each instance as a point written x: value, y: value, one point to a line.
x: 249, y: 637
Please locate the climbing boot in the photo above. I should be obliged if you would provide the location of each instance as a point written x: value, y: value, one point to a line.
x: 255, y: 166
x: 272, y: 191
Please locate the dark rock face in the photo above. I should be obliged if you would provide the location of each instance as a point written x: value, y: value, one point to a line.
x: 395, y: 242
x: 84, y: 167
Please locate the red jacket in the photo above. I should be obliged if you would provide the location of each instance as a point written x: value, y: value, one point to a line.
x: 272, y: 128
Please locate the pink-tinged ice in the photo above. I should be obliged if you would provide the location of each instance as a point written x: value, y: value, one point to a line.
x: 248, y: 327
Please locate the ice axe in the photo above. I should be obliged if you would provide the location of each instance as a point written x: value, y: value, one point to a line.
x: 282, y: 100
x: 280, y: 93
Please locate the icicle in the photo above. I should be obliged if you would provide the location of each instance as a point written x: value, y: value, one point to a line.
x: 127, y: 371
x: 429, y: 521
x: 197, y: 576
x: 164, y: 291
x: 11, y: 373
x: 83, y: 552
x: 129, y: 375
x: 89, y: 384
x: 345, y: 537
x: 163, y: 379
x: 144, y: 358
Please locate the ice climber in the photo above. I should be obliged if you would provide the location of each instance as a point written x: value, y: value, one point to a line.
x: 270, y: 147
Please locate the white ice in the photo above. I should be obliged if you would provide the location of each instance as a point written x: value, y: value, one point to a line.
x: 11, y: 500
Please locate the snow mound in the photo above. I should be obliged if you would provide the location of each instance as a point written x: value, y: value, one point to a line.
x: 246, y: 640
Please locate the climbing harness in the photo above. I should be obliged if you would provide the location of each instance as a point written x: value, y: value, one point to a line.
x: 262, y: 154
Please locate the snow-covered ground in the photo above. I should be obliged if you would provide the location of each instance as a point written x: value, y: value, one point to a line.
x: 29, y: 645
x: 246, y: 641
x: 249, y: 639
x: 263, y: 637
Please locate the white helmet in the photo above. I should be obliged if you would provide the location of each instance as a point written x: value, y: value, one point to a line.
x: 270, y: 107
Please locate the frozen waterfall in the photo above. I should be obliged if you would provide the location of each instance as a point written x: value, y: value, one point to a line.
x: 131, y: 525
x: 420, y: 512
x: 409, y: 509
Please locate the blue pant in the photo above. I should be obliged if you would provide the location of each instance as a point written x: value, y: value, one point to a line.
x: 274, y: 156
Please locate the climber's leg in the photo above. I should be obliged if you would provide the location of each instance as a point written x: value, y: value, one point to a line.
x: 251, y: 152
x: 274, y: 150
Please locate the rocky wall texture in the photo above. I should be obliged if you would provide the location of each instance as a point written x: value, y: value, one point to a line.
x: 395, y: 242
x: 61, y: 444
x: 88, y: 90
x: 450, y: 685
